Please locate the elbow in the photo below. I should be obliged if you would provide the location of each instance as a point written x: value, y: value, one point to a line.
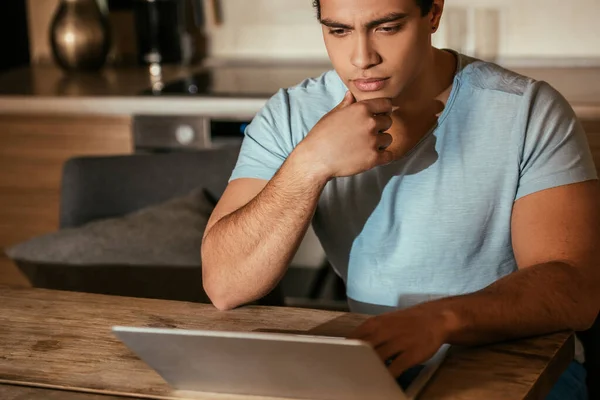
x: 584, y: 314
x: 217, y: 290
x: 219, y: 283
x: 222, y: 304
x: 212, y: 288
x: 218, y: 296
x: 586, y: 321
x: 587, y: 306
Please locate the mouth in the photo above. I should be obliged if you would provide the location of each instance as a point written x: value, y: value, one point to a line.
x: 370, y: 85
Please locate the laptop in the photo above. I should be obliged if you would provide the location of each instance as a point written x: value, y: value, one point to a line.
x: 280, y: 365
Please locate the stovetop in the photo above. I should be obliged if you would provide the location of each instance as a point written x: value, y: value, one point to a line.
x: 238, y: 81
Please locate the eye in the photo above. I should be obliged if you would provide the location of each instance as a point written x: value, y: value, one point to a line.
x: 338, y: 32
x: 390, y: 29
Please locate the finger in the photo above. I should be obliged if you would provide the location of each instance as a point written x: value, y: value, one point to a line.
x: 359, y: 333
x: 385, y: 157
x: 383, y: 122
x: 384, y: 140
x: 403, y: 362
x: 365, y: 330
x: 347, y: 100
x: 389, y: 349
x: 382, y: 105
x: 374, y: 338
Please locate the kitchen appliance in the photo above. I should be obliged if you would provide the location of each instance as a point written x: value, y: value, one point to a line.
x: 227, y: 83
x: 169, y: 31
x: 80, y: 34
x: 14, y: 38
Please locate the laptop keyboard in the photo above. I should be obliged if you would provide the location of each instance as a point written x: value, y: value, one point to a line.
x: 409, y: 376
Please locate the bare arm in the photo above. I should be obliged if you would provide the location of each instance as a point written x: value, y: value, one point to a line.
x: 255, y: 232
x: 556, y: 238
x: 556, y: 233
x: 245, y: 253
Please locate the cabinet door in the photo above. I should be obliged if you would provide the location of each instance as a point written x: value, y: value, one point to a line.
x: 33, y: 150
x: 592, y: 128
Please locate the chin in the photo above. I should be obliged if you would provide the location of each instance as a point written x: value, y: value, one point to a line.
x: 362, y: 96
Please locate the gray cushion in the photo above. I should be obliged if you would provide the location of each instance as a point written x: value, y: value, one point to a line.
x: 153, y: 252
x: 166, y: 234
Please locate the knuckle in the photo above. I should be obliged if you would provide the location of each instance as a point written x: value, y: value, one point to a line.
x: 363, y: 107
x: 371, y: 324
x: 385, y: 157
x: 375, y: 158
x: 371, y: 124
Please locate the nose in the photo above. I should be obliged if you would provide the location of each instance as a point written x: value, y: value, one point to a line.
x: 364, y: 55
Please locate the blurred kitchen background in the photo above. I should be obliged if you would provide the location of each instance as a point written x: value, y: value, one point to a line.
x: 90, y: 78
x: 536, y: 32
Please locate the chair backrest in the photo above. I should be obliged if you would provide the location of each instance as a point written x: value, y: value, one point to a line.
x: 102, y: 187
x: 591, y: 343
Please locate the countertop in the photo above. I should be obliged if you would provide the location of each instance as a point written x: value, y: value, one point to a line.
x: 119, y: 91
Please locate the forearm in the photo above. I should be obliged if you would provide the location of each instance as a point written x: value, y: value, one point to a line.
x: 246, y: 253
x: 537, y: 300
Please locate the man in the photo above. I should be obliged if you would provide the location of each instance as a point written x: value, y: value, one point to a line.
x: 457, y: 200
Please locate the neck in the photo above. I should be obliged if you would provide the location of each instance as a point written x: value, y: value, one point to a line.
x: 422, y: 102
x: 433, y: 83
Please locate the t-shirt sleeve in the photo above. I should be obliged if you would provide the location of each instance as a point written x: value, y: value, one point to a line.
x: 267, y: 141
x: 555, y: 150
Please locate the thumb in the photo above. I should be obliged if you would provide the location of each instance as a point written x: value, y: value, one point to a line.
x: 348, y: 100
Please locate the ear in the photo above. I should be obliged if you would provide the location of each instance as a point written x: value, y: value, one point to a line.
x: 435, y: 15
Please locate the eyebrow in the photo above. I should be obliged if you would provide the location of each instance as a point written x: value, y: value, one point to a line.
x: 391, y: 17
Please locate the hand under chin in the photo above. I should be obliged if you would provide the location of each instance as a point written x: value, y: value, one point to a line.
x: 408, y: 130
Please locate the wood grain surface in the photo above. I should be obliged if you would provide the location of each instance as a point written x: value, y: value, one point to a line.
x: 62, y: 340
x: 17, y: 392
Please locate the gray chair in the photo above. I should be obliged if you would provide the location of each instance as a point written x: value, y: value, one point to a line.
x: 95, y: 188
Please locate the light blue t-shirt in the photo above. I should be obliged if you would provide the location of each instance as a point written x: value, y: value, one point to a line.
x: 437, y: 222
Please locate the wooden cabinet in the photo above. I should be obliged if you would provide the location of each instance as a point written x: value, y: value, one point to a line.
x: 592, y: 128
x: 33, y: 150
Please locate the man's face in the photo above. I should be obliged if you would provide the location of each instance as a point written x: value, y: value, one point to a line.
x: 376, y: 46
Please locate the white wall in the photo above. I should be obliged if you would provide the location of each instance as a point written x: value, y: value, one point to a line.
x: 267, y: 28
x: 532, y: 29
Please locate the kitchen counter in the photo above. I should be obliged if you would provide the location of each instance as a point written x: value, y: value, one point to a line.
x: 127, y: 91
x: 236, y: 90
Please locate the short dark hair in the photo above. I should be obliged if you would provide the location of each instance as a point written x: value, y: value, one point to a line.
x: 425, y: 6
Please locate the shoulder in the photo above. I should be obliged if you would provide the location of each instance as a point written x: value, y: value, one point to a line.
x: 487, y: 76
x: 292, y: 112
x: 325, y: 88
x: 490, y: 77
x: 312, y: 98
x: 498, y: 83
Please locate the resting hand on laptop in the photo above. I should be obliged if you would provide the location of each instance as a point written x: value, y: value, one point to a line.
x: 412, y: 335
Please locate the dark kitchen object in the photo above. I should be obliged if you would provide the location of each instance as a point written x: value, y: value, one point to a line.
x: 14, y: 39
x: 118, y: 5
x: 169, y: 31
x: 80, y: 35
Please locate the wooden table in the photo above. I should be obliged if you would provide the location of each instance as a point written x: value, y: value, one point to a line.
x: 59, y: 345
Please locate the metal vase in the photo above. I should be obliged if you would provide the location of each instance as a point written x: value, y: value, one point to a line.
x: 80, y: 35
